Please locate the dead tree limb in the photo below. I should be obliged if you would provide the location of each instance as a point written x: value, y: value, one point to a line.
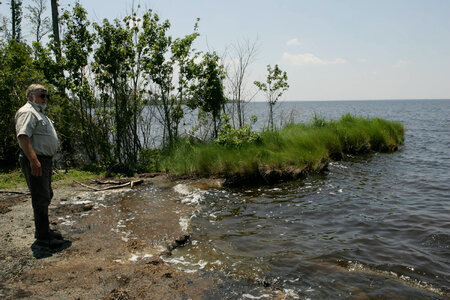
x: 130, y: 183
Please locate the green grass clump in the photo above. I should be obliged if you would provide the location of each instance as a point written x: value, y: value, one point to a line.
x: 288, y: 152
x: 15, y: 178
x: 12, y: 179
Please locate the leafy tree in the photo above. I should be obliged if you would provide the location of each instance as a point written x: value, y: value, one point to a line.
x: 77, y: 46
x: 183, y: 56
x: 161, y: 56
x: 113, y: 67
x: 274, y: 87
x: 208, y: 92
x: 17, y: 72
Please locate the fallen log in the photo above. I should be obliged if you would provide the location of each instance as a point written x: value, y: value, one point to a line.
x: 106, y: 182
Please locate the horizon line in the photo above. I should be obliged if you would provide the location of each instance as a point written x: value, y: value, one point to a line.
x: 392, y: 99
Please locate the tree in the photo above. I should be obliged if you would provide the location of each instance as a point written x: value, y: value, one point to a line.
x: 78, y: 44
x: 40, y: 23
x: 208, y: 94
x: 115, y: 58
x: 162, y: 58
x: 56, y: 39
x: 17, y: 72
x: 16, y: 19
x: 241, y: 57
x: 274, y: 87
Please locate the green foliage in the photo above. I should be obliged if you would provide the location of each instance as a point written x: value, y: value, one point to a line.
x: 236, y: 138
x: 149, y: 160
x: 318, y: 121
x: 16, y: 73
x: 208, y: 91
x: 274, y: 87
x: 120, y: 105
x: 12, y: 179
x: 76, y: 45
x: 163, y: 60
x: 15, y: 177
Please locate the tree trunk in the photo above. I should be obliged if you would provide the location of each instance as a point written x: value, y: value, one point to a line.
x: 13, y: 18
x: 55, y: 22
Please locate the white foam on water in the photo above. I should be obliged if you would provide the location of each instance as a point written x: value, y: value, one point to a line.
x: 193, y: 196
x: 184, y: 223
x: 193, y: 199
x: 186, y: 266
x: 147, y: 255
x: 291, y: 294
x: 183, y: 189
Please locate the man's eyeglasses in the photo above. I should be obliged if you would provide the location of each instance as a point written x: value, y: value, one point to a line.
x: 43, y: 96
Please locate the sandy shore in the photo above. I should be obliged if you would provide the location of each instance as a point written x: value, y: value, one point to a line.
x: 114, y: 241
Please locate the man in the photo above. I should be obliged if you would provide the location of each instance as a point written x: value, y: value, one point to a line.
x: 38, y: 142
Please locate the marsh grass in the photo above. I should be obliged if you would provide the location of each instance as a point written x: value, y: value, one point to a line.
x: 287, y: 153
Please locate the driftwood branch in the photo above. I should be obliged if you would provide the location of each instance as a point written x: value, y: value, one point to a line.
x: 130, y: 183
x: 106, y: 182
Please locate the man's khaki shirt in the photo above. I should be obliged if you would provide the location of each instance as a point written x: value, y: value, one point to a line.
x: 32, y: 122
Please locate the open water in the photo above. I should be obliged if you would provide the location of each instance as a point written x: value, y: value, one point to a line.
x: 375, y: 226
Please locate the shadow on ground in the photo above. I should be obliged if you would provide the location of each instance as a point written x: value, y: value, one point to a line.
x: 41, y: 251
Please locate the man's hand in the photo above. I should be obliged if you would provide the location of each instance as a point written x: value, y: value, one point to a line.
x: 36, y: 169
x: 35, y: 164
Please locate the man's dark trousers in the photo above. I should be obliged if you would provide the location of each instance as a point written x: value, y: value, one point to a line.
x: 41, y: 193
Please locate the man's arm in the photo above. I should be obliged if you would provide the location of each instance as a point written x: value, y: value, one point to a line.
x: 25, y: 144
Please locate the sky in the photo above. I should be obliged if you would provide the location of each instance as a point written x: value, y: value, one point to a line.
x: 330, y: 49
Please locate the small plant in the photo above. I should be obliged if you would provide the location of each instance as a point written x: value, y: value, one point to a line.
x: 228, y: 136
x: 318, y: 121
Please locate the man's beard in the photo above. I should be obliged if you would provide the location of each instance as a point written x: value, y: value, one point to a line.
x: 42, y: 106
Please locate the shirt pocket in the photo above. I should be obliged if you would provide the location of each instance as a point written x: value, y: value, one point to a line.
x: 42, y: 128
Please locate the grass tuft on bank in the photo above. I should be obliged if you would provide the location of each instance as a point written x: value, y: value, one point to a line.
x: 288, y: 153
x: 15, y: 178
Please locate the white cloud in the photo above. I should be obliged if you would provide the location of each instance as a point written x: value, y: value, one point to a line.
x: 293, y: 42
x: 309, y: 59
x: 362, y: 60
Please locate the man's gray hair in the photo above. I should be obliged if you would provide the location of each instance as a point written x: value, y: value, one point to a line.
x: 34, y: 87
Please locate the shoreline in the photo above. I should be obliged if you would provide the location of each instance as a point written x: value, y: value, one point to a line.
x: 108, y: 254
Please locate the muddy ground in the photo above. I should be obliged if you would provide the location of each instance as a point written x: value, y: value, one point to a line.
x: 113, y: 244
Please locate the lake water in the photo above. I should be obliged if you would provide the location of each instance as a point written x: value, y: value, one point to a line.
x: 374, y: 226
